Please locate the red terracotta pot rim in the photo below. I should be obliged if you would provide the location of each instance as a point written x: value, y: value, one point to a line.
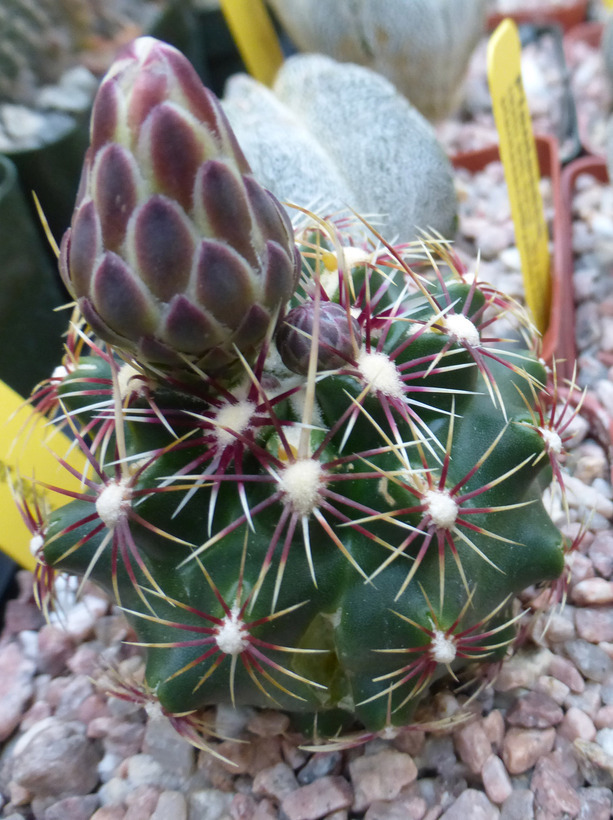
x: 565, y: 16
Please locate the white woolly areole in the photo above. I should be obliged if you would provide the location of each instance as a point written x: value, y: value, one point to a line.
x: 442, y: 509
x: 234, y: 416
x: 112, y: 503
x: 380, y: 372
x: 301, y: 482
x: 59, y: 373
x: 129, y: 380
x: 442, y: 648
x: 153, y: 708
x: 231, y: 636
x: 462, y: 329
x: 36, y: 543
x: 552, y: 440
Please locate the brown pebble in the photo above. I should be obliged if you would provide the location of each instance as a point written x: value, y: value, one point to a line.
x: 473, y: 746
x: 523, y: 747
x: 268, y: 723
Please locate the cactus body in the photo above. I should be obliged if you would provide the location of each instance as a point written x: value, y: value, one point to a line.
x: 305, y: 140
x: 342, y: 525
x: 422, y: 46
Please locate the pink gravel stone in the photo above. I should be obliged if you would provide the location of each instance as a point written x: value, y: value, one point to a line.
x: 275, y: 781
x: 535, y: 711
x: 268, y: 723
x: 250, y: 758
x: 20, y: 615
x: 16, y: 687
x: 79, y: 807
x: 496, y: 781
x: 109, y: 813
x: 242, y: 807
x: 522, y: 670
x: 603, y: 719
x: 411, y: 742
x: 85, y: 661
x: 523, y: 747
x: 172, y: 804
x: 601, y: 553
x: 567, y: 672
x: 594, y: 625
x: 493, y: 726
x: 471, y: 804
x: 39, y: 710
x: 403, y: 808
x: 318, y: 799
x: 265, y: 810
x: 592, y: 591
x: 141, y: 802
x: 582, y: 569
x: 473, y: 746
x: 552, y: 792
x: 55, y: 647
x: 577, y: 724
x: 380, y: 777
x: 552, y: 687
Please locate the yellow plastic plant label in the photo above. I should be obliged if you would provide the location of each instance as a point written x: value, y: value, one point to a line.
x: 27, y: 455
x: 521, y: 168
x: 255, y: 37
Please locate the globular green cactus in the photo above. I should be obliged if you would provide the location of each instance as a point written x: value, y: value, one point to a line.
x: 342, y: 515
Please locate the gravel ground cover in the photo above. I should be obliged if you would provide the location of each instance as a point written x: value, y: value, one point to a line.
x: 546, y: 83
x: 538, y: 740
x: 591, y: 88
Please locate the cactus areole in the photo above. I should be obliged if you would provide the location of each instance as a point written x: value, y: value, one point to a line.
x: 319, y: 491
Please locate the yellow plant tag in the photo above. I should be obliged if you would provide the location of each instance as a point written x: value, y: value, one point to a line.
x: 521, y: 168
x: 255, y: 37
x: 27, y: 447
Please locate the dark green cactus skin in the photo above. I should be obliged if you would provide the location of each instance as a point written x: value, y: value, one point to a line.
x: 360, y: 605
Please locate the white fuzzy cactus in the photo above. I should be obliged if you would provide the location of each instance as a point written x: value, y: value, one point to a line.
x: 305, y: 141
x: 422, y: 46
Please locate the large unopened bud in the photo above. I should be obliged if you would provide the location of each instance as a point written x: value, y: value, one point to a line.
x: 338, y: 336
x: 175, y: 255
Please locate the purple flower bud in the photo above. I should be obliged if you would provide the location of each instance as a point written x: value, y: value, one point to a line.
x: 339, y: 337
x: 175, y: 252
